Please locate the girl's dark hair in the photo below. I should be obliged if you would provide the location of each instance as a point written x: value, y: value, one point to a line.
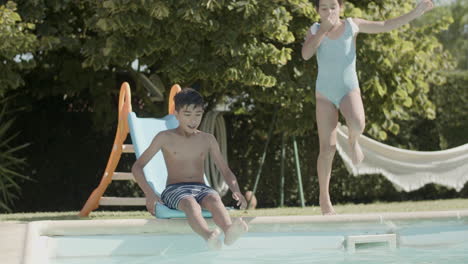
x: 317, y: 3
x: 186, y: 97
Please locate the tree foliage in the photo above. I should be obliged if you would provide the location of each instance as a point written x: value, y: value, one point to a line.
x: 10, y: 162
x: 455, y: 38
x: 247, y: 50
x: 17, y: 41
x: 244, y: 51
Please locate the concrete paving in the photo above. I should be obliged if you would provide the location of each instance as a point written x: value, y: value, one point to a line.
x: 12, y: 241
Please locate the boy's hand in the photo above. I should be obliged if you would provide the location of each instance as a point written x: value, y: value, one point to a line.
x: 240, y: 199
x: 151, y: 203
x: 423, y: 7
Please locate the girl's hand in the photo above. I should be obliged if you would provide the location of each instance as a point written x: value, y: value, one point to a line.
x: 423, y: 7
x: 329, y: 22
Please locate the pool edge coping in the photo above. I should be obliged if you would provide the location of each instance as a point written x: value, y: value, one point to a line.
x: 36, y: 229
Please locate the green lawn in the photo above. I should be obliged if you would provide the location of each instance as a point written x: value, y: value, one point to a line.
x: 434, y: 205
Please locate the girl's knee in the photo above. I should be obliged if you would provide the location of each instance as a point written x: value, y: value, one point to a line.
x: 357, y: 125
x: 327, y: 151
x: 361, y: 126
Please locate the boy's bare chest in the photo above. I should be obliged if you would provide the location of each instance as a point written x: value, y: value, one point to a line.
x: 186, y: 150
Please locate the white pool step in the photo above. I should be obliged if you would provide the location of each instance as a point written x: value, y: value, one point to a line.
x: 352, y: 241
x: 123, y: 176
x: 128, y: 148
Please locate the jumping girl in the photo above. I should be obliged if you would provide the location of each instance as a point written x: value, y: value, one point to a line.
x: 337, y: 86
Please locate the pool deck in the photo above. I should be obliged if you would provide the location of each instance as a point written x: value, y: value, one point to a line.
x: 12, y: 242
x: 14, y: 235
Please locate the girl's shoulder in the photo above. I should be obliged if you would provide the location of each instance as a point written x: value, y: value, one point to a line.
x: 354, y: 26
x: 314, y: 28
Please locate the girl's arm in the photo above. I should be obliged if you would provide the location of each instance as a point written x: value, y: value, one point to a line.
x: 373, y: 27
x: 313, y: 41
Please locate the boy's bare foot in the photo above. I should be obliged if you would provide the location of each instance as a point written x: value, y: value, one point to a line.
x: 356, y: 152
x: 327, y: 207
x: 233, y: 233
x: 213, y: 241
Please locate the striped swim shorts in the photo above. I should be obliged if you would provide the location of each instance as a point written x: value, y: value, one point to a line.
x: 174, y: 193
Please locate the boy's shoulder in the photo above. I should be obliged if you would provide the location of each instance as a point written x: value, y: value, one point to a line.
x: 204, y: 137
x: 207, y: 135
x: 201, y: 135
x: 172, y: 133
x: 167, y: 132
x: 164, y: 135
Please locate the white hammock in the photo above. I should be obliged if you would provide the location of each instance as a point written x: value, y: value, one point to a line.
x: 407, y: 169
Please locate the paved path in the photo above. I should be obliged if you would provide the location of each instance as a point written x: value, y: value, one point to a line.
x: 12, y: 240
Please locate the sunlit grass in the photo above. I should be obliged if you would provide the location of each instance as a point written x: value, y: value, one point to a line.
x: 433, y: 205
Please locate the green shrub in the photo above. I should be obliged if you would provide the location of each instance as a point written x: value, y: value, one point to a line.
x: 10, y: 163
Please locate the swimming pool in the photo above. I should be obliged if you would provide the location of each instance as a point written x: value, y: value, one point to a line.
x: 420, y: 238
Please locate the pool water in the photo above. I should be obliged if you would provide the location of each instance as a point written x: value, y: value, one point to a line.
x: 417, y: 242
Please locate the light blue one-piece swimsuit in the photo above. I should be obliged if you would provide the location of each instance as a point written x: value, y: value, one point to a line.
x: 336, y: 60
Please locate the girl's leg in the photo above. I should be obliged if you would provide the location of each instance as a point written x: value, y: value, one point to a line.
x: 232, y: 230
x: 353, y: 110
x: 327, y: 120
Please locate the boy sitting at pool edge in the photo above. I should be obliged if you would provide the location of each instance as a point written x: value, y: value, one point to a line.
x: 185, y: 149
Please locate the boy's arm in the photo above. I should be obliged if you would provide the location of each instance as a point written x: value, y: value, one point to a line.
x: 373, y: 27
x: 229, y: 177
x: 137, y: 170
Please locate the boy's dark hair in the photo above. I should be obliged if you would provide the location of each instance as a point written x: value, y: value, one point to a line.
x: 317, y: 3
x: 186, y: 97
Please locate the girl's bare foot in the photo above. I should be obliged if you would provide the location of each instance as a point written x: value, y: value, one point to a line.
x: 326, y: 206
x: 213, y: 241
x: 356, y: 152
x: 233, y: 233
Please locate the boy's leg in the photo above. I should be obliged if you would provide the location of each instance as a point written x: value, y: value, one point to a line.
x: 327, y: 120
x: 232, y: 230
x: 213, y: 203
x: 353, y: 110
x: 196, y: 221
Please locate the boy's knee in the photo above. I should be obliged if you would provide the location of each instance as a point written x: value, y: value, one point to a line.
x: 212, y: 200
x: 188, y: 204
